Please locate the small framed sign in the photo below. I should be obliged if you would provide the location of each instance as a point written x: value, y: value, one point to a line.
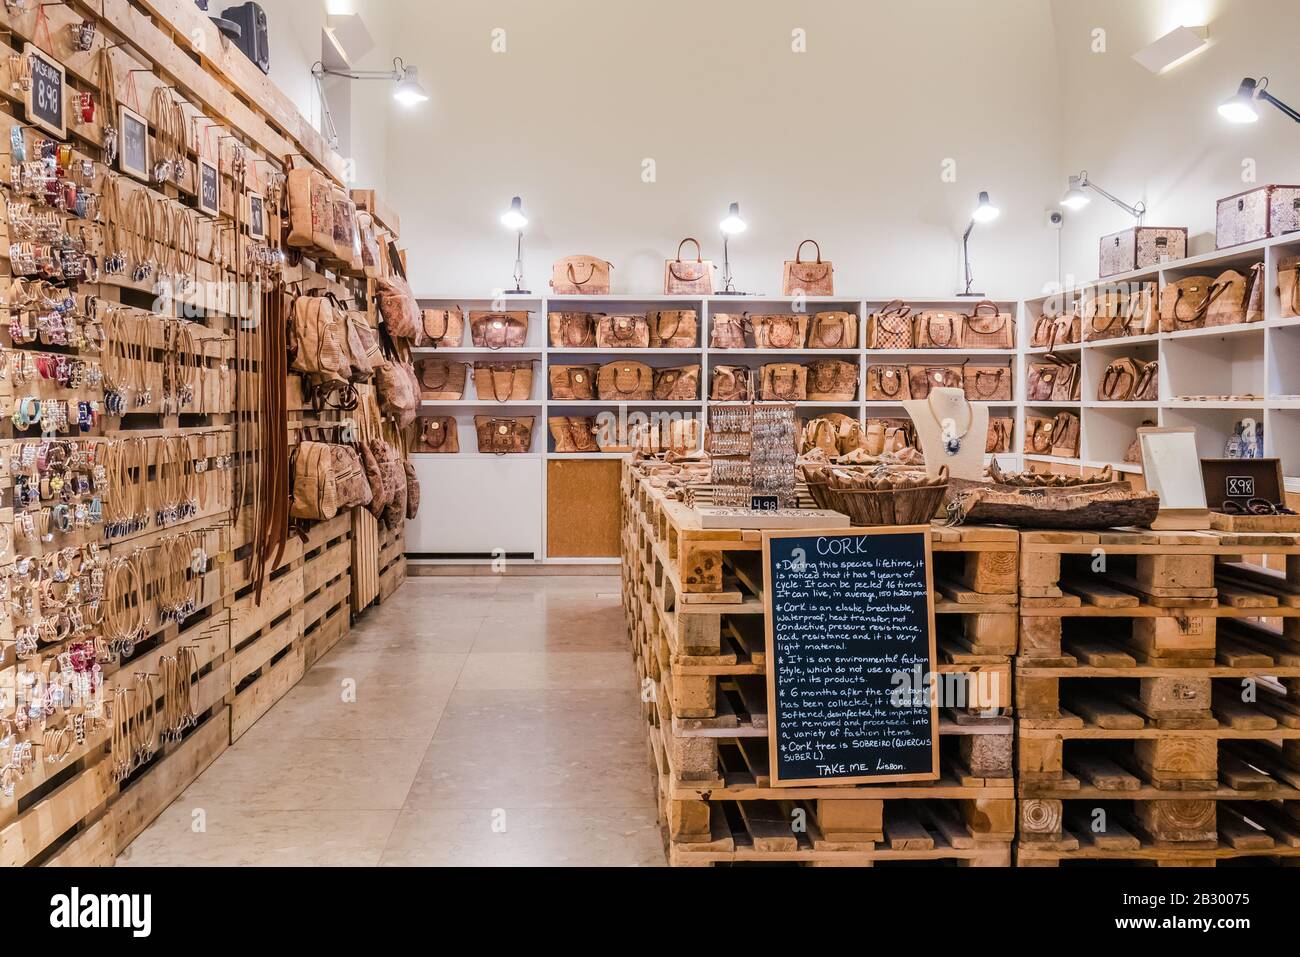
x: 133, y: 153
x: 209, y: 188
x: 256, y: 217
x: 46, y: 94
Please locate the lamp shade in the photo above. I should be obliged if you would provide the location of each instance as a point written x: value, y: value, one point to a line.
x: 985, y: 211
x: 1241, y: 107
x: 514, y: 218
x: 408, y: 91
x: 733, y: 223
x: 1075, y: 196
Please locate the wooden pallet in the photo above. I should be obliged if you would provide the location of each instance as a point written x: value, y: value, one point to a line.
x: 700, y: 657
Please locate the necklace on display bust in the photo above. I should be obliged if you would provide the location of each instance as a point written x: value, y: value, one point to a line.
x: 952, y: 439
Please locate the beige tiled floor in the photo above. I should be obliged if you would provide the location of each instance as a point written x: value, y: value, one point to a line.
x: 495, y: 722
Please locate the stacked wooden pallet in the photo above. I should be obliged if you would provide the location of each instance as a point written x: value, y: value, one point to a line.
x: 1155, y: 696
x: 696, y: 616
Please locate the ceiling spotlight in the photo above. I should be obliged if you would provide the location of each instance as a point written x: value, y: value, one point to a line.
x: 1075, y: 198
x: 408, y: 91
x: 733, y: 223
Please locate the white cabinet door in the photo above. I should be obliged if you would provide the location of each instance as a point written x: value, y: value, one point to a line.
x: 473, y: 504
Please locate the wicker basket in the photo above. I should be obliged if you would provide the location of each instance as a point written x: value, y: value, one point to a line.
x: 906, y: 497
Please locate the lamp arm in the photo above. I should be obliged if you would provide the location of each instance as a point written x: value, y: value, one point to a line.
x: 965, y: 255
x: 1138, y: 210
x: 1289, y: 111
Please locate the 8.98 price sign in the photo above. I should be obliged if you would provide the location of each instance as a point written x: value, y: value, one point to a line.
x: 46, y: 95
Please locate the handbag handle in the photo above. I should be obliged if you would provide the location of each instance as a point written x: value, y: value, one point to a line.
x: 622, y: 327
x: 1149, y: 371
x: 883, y: 373
x: 496, y: 392
x: 789, y: 392
x: 699, y: 255
x: 819, y: 322
x: 799, y: 252
x: 1295, y: 289
x: 659, y: 324
x: 979, y: 306
x: 580, y: 282
x: 618, y: 380
x: 929, y: 330
x: 895, y: 308
x: 785, y: 323
x: 1216, y: 290
x: 995, y: 375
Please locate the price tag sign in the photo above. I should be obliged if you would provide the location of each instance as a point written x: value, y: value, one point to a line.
x: 45, y: 98
x: 1241, y: 486
x: 764, y: 503
x: 209, y: 188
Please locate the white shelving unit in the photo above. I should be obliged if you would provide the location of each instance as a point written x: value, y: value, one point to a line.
x: 1261, y: 358
x: 500, y: 500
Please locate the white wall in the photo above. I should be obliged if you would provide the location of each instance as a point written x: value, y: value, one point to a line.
x: 1158, y: 137
x: 844, y: 143
x: 362, y: 108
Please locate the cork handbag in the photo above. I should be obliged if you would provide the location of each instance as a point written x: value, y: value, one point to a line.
x: 1119, y: 380
x: 503, y: 381
x: 1067, y: 384
x: 833, y: 330
x: 1103, y: 312
x: 572, y: 330
x: 438, y: 434
x: 987, y: 383
x: 832, y: 380
x: 730, y: 384
x: 1041, y: 381
x: 1237, y: 298
x: 727, y: 331
x: 1141, y: 311
x: 1147, y: 388
x: 398, y: 390
x: 988, y: 328
x: 1065, y: 435
x: 504, y: 436
x: 1288, y: 285
x: 580, y: 276
x: 1051, y: 331
x: 625, y: 381
x: 809, y: 278
x: 684, y: 277
x: 677, y: 385
x: 442, y: 328
x: 441, y: 379
x: 780, y: 331
x: 1183, y: 304
x: 998, y: 440
x: 498, y: 330
x: 397, y: 305
x: 921, y: 379
x: 820, y: 433
x: 623, y: 332
x: 784, y: 381
x: 673, y: 329
x: 892, y: 327
x: 1038, y: 435
x: 349, y: 476
x: 314, y: 488
x: 573, y: 433
x: 939, y: 329
x: 573, y: 382
x: 311, y: 210
x: 888, y: 383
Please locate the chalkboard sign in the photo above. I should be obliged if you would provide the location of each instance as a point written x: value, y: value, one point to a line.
x: 256, y: 217
x: 209, y: 189
x: 850, y: 651
x: 133, y: 149
x: 46, y: 93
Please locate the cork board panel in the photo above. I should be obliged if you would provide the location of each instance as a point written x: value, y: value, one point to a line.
x: 582, y: 508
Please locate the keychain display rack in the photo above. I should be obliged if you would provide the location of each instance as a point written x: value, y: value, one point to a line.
x: 138, y: 640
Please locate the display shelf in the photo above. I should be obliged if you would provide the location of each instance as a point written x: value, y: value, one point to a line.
x: 479, y: 403
x: 478, y: 351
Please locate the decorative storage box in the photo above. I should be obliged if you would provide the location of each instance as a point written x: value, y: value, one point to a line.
x: 1140, y: 247
x: 1257, y: 214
